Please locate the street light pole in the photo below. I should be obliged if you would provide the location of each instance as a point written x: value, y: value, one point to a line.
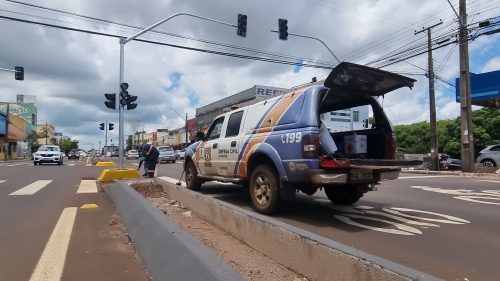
x: 124, y: 41
x: 185, y: 125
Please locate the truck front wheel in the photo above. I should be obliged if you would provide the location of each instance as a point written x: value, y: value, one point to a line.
x: 344, y: 195
x: 192, y: 181
x: 264, y: 189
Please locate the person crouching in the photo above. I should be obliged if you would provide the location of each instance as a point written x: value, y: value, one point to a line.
x: 151, y: 155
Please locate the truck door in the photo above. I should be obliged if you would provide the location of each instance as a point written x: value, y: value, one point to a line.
x: 230, y: 145
x: 209, y: 148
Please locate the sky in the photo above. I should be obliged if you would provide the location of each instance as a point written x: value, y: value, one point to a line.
x: 68, y: 71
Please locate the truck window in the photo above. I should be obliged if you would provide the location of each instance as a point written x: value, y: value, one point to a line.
x: 233, y: 125
x: 215, y: 129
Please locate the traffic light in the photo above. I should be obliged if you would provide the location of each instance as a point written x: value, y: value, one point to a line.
x: 283, y: 29
x: 111, y: 126
x: 130, y: 102
x: 126, y: 99
x: 123, y: 94
x: 111, y: 101
x: 19, y: 74
x: 242, y: 25
x: 101, y: 126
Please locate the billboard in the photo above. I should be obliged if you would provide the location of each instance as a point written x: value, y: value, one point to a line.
x: 3, y: 124
x: 485, y: 87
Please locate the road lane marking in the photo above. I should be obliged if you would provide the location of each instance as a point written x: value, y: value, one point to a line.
x: 483, y: 197
x: 2, y: 181
x: 51, y: 264
x: 87, y: 186
x: 32, y: 188
x: 421, y: 177
x: 13, y: 165
x: 491, y: 181
x: 73, y: 164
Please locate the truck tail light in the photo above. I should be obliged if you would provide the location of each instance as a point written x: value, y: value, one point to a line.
x: 333, y: 163
x: 390, y: 146
x: 310, y: 146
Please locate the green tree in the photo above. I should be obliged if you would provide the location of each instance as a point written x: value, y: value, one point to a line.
x: 67, y: 144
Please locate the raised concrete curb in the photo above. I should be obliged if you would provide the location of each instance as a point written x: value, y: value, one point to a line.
x: 166, y: 250
x: 118, y: 174
x: 306, y: 253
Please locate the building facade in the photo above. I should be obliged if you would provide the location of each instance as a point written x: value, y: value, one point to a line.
x: 19, y: 122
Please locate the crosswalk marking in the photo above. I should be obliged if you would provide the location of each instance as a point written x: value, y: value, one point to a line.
x: 13, y: 165
x: 32, y: 188
x: 87, y: 186
x: 51, y: 264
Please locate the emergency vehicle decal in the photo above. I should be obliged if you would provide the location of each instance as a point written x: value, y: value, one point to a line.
x: 263, y: 130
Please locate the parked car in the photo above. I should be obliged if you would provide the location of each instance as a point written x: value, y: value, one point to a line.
x: 73, y: 154
x: 451, y: 164
x: 132, y: 154
x: 166, y: 154
x: 181, y: 154
x: 275, y: 147
x: 82, y: 154
x: 114, y: 153
x: 490, y: 156
x: 48, y: 154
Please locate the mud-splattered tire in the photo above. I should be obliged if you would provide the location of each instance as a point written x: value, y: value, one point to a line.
x: 264, y: 189
x: 192, y: 180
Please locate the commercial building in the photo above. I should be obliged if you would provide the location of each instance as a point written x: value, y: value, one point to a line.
x: 18, y: 124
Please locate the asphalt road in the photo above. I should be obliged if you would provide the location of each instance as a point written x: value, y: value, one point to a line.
x: 446, y: 226
x: 49, y: 229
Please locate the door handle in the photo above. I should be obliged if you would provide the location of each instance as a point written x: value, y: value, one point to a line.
x: 214, y: 146
x: 233, y: 144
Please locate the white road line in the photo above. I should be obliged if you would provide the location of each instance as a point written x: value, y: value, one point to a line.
x: 32, y: 188
x: 18, y: 164
x: 421, y: 177
x: 51, y: 264
x: 71, y: 164
x: 87, y: 186
x: 2, y: 181
x: 88, y: 165
x: 491, y: 181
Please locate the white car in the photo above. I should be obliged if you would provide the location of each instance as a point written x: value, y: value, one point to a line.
x: 48, y: 154
x: 132, y: 154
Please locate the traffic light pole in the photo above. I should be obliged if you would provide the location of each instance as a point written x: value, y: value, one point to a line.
x: 124, y: 41
x: 310, y: 37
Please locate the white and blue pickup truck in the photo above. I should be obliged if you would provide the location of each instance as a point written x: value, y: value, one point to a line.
x: 273, y: 146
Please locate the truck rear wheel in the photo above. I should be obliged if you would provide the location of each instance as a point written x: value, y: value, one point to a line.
x: 192, y: 181
x: 264, y: 189
x: 344, y: 195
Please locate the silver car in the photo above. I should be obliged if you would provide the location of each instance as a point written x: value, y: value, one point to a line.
x: 490, y: 156
x: 166, y: 154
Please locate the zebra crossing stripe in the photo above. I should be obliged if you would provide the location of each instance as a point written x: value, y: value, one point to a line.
x: 51, y: 264
x: 32, y: 188
x: 87, y: 186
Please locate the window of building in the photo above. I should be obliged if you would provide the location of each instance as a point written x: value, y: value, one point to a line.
x: 233, y: 125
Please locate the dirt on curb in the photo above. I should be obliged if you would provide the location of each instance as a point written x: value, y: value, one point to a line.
x: 250, y: 263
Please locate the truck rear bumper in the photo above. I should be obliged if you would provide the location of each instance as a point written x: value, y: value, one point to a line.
x: 348, y: 176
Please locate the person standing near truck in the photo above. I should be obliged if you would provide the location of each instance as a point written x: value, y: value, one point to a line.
x: 151, y: 155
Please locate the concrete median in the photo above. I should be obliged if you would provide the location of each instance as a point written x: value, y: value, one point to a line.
x: 167, y: 251
x: 304, y: 252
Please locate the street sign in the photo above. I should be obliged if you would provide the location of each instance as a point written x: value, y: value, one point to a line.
x: 485, y: 88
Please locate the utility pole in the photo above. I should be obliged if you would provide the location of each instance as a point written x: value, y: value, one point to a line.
x: 46, y: 133
x: 106, y: 139
x: 466, y: 130
x: 432, y: 100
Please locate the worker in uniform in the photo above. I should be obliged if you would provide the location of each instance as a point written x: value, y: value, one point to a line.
x: 142, y: 159
x: 151, y: 155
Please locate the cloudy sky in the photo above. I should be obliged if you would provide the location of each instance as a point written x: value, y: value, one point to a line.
x: 69, y: 71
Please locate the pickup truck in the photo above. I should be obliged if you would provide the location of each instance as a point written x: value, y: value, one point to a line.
x: 273, y: 146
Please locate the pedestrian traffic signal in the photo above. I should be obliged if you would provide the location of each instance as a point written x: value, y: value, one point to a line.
x: 283, y: 29
x: 242, y: 25
x: 110, y: 101
x: 19, y: 74
x: 111, y: 126
x: 101, y: 126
